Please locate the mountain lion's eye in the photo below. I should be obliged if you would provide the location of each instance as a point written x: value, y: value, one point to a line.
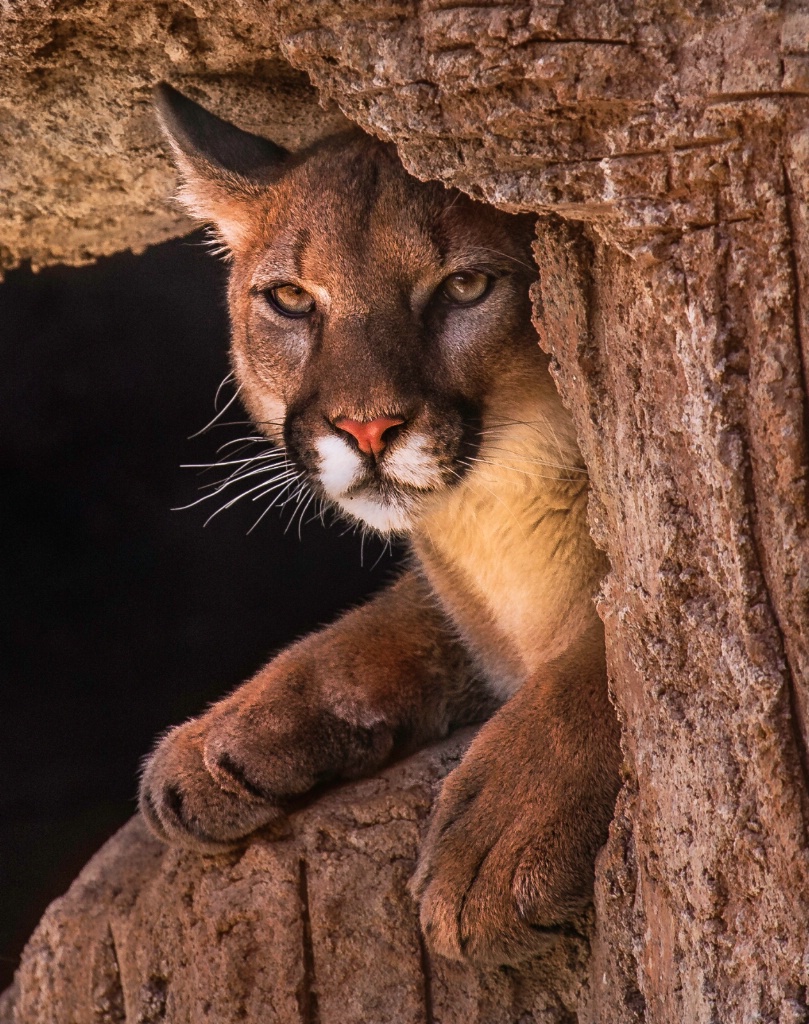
x: 290, y: 300
x: 466, y: 286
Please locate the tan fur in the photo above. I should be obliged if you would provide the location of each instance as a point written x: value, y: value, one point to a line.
x: 529, y: 571
x: 485, y: 477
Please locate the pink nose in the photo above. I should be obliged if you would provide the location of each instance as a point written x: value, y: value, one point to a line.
x: 370, y: 435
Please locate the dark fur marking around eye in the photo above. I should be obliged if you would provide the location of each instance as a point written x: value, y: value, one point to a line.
x: 367, y: 738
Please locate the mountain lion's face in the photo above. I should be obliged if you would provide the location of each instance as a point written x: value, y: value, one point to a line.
x: 374, y: 317
x: 379, y: 323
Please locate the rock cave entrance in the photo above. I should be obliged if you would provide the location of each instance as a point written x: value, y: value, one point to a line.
x: 669, y: 151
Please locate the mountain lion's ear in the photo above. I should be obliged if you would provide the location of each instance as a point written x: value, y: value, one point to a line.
x: 222, y: 167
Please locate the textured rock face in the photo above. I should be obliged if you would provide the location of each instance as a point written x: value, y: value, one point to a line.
x: 82, y: 170
x: 691, y: 409
x: 673, y: 296
x: 317, y: 927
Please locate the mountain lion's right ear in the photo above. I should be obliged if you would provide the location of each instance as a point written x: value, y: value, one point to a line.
x: 223, y: 168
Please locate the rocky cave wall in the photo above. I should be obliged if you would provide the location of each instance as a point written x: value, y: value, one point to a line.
x: 666, y: 148
x: 83, y: 172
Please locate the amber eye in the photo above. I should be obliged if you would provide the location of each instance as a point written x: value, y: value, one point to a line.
x: 466, y: 286
x: 290, y: 300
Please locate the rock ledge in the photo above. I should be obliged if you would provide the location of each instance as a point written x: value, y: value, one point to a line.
x: 315, y: 928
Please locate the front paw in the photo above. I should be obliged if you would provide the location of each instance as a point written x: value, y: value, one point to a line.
x: 220, y: 777
x: 188, y: 798
x: 508, y: 859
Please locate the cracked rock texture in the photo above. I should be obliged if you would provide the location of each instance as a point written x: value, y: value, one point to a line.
x: 82, y: 169
x: 317, y: 927
x: 666, y: 148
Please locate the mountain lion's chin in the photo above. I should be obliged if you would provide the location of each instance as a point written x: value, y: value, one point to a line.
x: 387, y: 514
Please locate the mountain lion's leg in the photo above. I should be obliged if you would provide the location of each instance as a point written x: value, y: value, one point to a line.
x: 386, y: 677
x: 509, y: 855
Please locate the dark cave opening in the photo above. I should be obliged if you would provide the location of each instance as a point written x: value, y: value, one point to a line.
x: 123, y: 616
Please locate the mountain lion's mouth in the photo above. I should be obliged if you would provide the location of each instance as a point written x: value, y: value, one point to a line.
x: 385, y: 495
x: 383, y: 503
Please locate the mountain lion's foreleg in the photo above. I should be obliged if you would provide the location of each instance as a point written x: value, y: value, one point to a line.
x: 509, y: 855
x: 386, y: 677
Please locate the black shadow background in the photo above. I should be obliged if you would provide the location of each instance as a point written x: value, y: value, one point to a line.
x: 122, y: 617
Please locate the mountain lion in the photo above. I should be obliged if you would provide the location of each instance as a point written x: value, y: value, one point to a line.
x: 382, y: 342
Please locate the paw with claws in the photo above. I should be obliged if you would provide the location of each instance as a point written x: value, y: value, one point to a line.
x: 216, y: 779
x: 331, y: 707
x: 207, y: 802
x: 508, y: 859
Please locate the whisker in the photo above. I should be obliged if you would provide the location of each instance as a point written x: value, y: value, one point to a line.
x: 568, y: 467
x: 312, y: 497
x: 541, y: 426
x: 288, y: 474
x: 269, y: 457
x: 454, y: 201
x: 221, y: 411
x: 225, y: 380
x: 270, y: 460
x: 255, y: 524
x: 494, y: 425
x: 226, y: 423
x: 563, y: 474
x: 213, y: 494
x: 246, y: 441
x: 233, y: 501
x: 387, y: 547
x: 319, y: 513
x: 296, y: 497
x: 246, y: 448
x: 279, y: 484
x: 238, y: 476
x: 230, y: 462
x: 513, y: 469
x: 499, y: 500
x: 352, y: 527
x: 273, y: 503
x: 215, y: 246
x: 522, y: 263
x: 275, y: 482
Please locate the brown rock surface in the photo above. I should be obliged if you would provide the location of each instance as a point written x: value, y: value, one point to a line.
x: 673, y: 140
x: 82, y: 170
x: 316, y: 927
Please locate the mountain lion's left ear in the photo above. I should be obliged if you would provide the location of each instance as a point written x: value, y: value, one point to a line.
x: 223, y: 168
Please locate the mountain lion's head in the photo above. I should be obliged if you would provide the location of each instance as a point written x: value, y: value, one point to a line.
x: 381, y: 325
